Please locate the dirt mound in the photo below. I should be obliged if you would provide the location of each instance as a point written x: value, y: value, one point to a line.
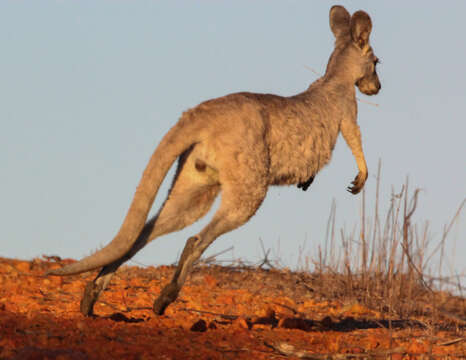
x: 221, y: 313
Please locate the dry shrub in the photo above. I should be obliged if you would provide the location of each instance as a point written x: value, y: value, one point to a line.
x: 387, y: 266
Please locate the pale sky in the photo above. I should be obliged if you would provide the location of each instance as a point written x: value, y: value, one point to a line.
x: 89, y: 88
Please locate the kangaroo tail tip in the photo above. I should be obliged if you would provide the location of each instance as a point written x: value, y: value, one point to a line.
x: 70, y: 269
x: 57, y: 272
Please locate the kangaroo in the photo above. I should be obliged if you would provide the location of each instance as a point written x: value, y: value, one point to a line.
x: 241, y: 144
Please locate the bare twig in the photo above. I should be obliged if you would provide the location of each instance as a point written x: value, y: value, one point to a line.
x: 448, y: 228
x: 452, y: 342
x: 289, y: 350
x: 212, y: 258
x: 265, y: 260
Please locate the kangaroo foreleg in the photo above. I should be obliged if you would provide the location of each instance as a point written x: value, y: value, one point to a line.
x: 352, y: 135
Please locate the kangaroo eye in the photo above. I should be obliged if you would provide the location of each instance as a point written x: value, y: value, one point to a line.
x: 377, y: 61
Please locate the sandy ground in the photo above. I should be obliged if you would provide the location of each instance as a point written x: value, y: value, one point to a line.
x: 222, y: 313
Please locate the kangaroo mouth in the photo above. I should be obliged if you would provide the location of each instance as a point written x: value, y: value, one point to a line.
x: 372, y: 92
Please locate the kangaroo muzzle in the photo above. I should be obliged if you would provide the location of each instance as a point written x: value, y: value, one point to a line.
x: 369, y: 85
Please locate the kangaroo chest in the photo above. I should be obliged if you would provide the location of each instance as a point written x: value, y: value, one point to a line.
x: 299, y: 148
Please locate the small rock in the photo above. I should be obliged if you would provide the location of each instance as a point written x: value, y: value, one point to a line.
x: 212, y: 325
x: 199, y: 326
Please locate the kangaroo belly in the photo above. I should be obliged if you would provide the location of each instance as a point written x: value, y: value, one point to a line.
x: 292, y: 161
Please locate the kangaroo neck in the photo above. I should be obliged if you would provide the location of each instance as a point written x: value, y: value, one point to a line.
x: 337, y: 87
x: 340, y: 84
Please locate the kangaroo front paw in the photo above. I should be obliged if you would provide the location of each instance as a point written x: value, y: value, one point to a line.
x: 357, y: 183
x: 304, y: 185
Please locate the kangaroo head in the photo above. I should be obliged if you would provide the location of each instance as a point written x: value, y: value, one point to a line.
x: 353, y: 57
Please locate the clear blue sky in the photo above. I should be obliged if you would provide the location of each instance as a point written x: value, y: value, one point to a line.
x: 88, y: 88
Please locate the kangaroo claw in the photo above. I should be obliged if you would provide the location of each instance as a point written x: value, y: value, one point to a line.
x: 357, y: 183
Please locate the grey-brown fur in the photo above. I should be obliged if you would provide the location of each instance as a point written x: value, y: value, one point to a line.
x: 241, y: 144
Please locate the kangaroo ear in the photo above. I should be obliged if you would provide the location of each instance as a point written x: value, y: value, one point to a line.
x: 361, y: 26
x: 339, y: 21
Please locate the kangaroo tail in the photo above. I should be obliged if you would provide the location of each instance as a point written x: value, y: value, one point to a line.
x: 175, y: 142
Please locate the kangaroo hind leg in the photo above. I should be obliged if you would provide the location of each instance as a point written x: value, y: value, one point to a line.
x: 194, y: 189
x: 239, y: 203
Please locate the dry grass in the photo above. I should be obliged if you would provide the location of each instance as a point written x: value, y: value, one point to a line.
x: 388, y: 266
